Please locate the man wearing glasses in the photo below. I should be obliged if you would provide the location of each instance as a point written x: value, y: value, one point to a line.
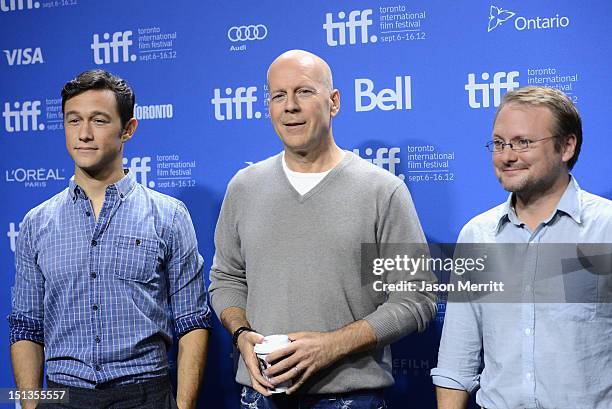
x: 533, y: 354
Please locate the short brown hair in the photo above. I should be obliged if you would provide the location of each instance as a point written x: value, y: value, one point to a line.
x: 566, y: 117
x: 100, y: 79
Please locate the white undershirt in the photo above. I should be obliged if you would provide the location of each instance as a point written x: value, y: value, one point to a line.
x: 301, y: 181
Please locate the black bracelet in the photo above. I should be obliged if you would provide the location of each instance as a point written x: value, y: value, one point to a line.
x: 239, y: 331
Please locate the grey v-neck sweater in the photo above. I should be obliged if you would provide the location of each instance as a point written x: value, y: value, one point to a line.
x: 293, y: 262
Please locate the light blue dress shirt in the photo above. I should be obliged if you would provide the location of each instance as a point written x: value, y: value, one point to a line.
x: 530, y: 354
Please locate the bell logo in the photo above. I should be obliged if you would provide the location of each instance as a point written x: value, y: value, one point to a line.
x: 230, y: 107
x: 105, y: 52
x: 501, y: 80
x: 24, y: 56
x: 386, y: 99
x: 24, y: 118
x: 12, y: 235
x: 13, y: 5
x: 139, y: 169
x: 357, y: 19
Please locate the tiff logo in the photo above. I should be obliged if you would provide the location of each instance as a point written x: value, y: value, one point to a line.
x: 386, y: 99
x: 230, y: 107
x: 24, y: 56
x: 357, y: 19
x: 12, y: 235
x: 139, y: 169
x: 25, y: 114
x: 501, y: 80
x: 12, y: 5
x: 385, y: 157
x: 105, y: 52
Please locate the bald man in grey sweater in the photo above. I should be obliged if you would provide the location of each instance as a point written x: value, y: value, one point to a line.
x: 288, y: 255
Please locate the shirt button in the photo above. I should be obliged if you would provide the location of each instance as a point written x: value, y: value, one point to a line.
x: 94, y: 307
x: 527, y: 288
x: 87, y: 214
x: 528, y: 375
x: 93, y: 274
x: 98, y: 368
x: 527, y: 331
x: 138, y: 242
x: 97, y: 339
x: 94, y: 243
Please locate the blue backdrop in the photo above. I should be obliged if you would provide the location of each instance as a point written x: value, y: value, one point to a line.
x: 419, y: 82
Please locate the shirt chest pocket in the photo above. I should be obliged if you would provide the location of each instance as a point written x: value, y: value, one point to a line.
x: 135, y: 258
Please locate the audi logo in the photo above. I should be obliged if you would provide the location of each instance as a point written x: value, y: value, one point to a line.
x: 244, y: 33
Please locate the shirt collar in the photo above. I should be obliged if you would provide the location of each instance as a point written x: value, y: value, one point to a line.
x: 74, y: 190
x: 568, y: 204
x: 570, y: 201
x: 123, y: 187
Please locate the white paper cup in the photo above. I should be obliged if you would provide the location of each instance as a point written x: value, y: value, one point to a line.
x: 270, y: 344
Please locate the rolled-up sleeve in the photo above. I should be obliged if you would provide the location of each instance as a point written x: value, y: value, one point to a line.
x: 27, y: 308
x: 460, y: 349
x: 459, y: 357
x: 187, y: 290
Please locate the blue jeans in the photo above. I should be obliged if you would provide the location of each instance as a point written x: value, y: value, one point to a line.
x: 251, y: 399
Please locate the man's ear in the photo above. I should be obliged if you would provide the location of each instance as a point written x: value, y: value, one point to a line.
x: 568, y: 149
x: 129, y: 130
x: 335, y: 98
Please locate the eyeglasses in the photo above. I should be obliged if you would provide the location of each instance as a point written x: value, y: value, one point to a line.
x: 518, y: 145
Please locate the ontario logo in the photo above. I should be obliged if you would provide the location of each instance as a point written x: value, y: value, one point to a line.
x: 498, y: 16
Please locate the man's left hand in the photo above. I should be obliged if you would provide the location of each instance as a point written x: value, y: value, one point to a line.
x: 308, y: 353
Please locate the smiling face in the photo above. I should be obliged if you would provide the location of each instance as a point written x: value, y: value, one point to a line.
x: 94, y: 135
x: 302, y: 103
x: 540, y: 167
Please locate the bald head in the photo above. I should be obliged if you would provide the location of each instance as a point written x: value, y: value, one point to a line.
x: 302, y: 102
x: 306, y: 59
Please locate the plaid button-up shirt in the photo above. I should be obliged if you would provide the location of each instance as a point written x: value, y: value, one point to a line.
x: 103, y: 295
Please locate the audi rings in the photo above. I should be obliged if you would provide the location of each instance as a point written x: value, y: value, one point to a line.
x: 245, y: 33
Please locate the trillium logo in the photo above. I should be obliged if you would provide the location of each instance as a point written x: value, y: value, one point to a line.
x: 497, y: 16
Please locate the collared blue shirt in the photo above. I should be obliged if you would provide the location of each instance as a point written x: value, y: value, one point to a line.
x: 102, y: 296
x: 529, y: 354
